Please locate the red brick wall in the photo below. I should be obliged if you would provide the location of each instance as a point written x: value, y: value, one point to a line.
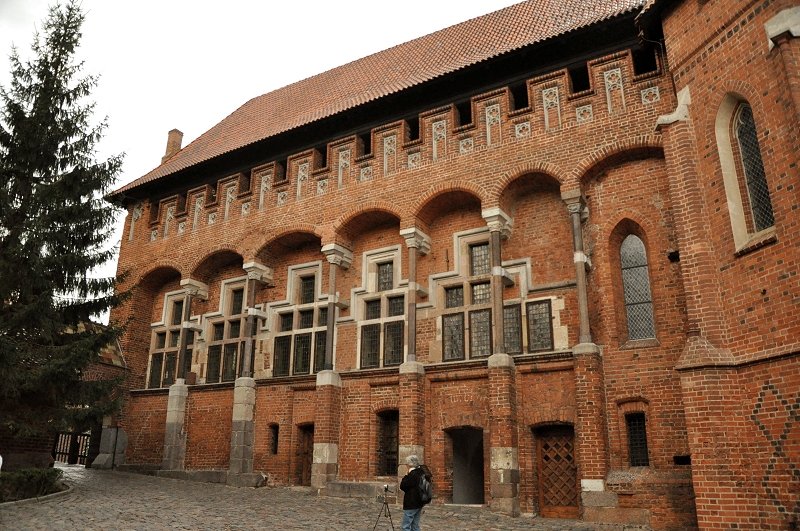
x: 144, y: 422
x: 208, y: 428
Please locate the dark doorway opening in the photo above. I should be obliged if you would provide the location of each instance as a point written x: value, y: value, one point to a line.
x: 305, y: 453
x: 468, y: 486
x: 388, y: 441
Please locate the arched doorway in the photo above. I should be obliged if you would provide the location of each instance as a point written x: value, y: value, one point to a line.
x: 467, y: 465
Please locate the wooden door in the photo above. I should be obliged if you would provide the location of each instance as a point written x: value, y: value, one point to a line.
x: 305, y: 453
x: 558, y: 472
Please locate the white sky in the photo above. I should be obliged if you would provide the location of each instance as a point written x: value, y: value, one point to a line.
x: 187, y: 64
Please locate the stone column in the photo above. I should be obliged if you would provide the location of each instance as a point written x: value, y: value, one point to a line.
x: 504, y: 448
x: 186, y: 321
x: 240, y: 467
x: 325, y: 465
x: 418, y: 243
x: 174, y: 432
x: 337, y: 256
x: 500, y: 225
x: 590, y: 431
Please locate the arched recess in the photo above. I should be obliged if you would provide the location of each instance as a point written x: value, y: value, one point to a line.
x: 147, y: 298
x: 353, y: 222
x: 445, y: 198
x: 285, y: 233
x: 526, y: 171
x: 207, y: 267
x: 626, y: 150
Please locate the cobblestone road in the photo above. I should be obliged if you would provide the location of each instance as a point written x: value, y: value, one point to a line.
x: 116, y: 500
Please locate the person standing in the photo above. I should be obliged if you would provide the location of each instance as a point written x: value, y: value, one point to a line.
x: 412, y: 504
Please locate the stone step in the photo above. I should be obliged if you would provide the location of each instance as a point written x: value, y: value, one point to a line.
x: 359, y: 489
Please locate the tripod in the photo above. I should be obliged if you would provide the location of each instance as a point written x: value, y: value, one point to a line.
x: 384, y: 510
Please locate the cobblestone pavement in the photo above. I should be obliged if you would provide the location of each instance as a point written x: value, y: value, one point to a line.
x: 117, y: 500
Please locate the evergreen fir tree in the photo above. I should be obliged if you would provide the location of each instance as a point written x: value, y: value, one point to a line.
x: 55, y: 228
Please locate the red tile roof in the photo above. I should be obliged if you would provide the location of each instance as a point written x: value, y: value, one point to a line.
x: 389, y: 71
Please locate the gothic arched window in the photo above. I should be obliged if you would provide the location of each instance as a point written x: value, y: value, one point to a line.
x: 744, y: 128
x: 636, y: 288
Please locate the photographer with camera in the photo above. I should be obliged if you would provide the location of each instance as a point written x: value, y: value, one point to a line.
x: 415, y: 497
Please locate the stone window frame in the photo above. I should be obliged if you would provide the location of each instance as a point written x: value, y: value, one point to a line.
x: 167, y: 328
x: 371, y: 291
x: 223, y: 317
x: 732, y: 164
x: 297, y: 309
x: 469, y: 309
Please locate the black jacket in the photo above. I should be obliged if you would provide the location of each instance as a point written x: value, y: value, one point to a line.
x: 410, y: 485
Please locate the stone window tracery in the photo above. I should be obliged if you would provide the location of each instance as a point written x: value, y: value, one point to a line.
x: 226, y: 333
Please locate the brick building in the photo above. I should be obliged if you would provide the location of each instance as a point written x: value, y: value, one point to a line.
x: 551, y: 250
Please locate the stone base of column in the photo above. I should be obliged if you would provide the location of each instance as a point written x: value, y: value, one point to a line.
x: 504, y: 481
x: 174, y: 434
x: 113, y: 443
x: 241, y: 456
x: 325, y: 466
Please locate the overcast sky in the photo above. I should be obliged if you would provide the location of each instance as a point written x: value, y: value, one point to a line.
x: 187, y: 64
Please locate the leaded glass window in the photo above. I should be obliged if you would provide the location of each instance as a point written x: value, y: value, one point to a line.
x: 307, y: 290
x: 637, y: 439
x: 397, y: 306
x: 481, y: 293
x: 177, y: 312
x: 393, y: 343
x: 282, y: 353
x: 287, y: 322
x: 320, y: 347
x: 370, y: 345
x: 479, y: 259
x: 305, y: 319
x: 755, y: 177
x: 372, y: 309
x: 385, y: 276
x: 454, y: 297
x: 155, y: 370
x: 480, y: 336
x: 453, y: 337
x: 636, y: 287
x: 540, y: 326
x: 165, y: 342
x: 512, y: 329
x: 302, y: 353
x: 237, y: 299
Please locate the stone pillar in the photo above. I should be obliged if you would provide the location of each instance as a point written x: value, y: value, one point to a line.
x: 240, y: 467
x: 194, y: 289
x: 590, y: 431
x: 337, y: 256
x: 504, y: 449
x: 783, y: 31
x: 325, y: 465
x: 174, y: 434
x: 113, y: 443
x: 418, y: 243
x: 500, y: 225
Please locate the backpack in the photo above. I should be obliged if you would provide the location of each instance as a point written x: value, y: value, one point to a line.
x: 425, y: 490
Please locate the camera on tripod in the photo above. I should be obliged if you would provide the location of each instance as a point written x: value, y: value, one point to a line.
x: 387, y: 489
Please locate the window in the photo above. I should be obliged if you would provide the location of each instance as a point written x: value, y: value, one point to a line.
x: 381, y: 309
x: 753, y: 168
x: 637, y: 439
x: 540, y: 326
x: 226, y: 344
x: 382, y: 331
x: 302, y: 332
x: 479, y: 259
x: 744, y: 176
x: 636, y: 289
x: 165, y: 343
x: 512, y: 329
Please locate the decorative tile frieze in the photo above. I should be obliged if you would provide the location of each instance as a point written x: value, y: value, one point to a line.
x: 136, y: 215
x: 492, y: 123
x: 465, y: 145
x: 181, y: 227
x: 230, y: 196
x: 389, y: 154
x: 522, y: 130
x: 614, y: 89
x: 245, y: 208
x: 439, y: 139
x: 212, y: 218
x: 266, y: 186
x: 551, y: 103
x: 584, y: 114
x: 365, y: 174
x: 198, y: 210
x: 283, y: 197
x: 343, y: 168
x: 650, y: 95
x: 168, y: 221
x: 414, y: 160
x: 322, y: 187
x: 302, y: 177
x: 153, y: 235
